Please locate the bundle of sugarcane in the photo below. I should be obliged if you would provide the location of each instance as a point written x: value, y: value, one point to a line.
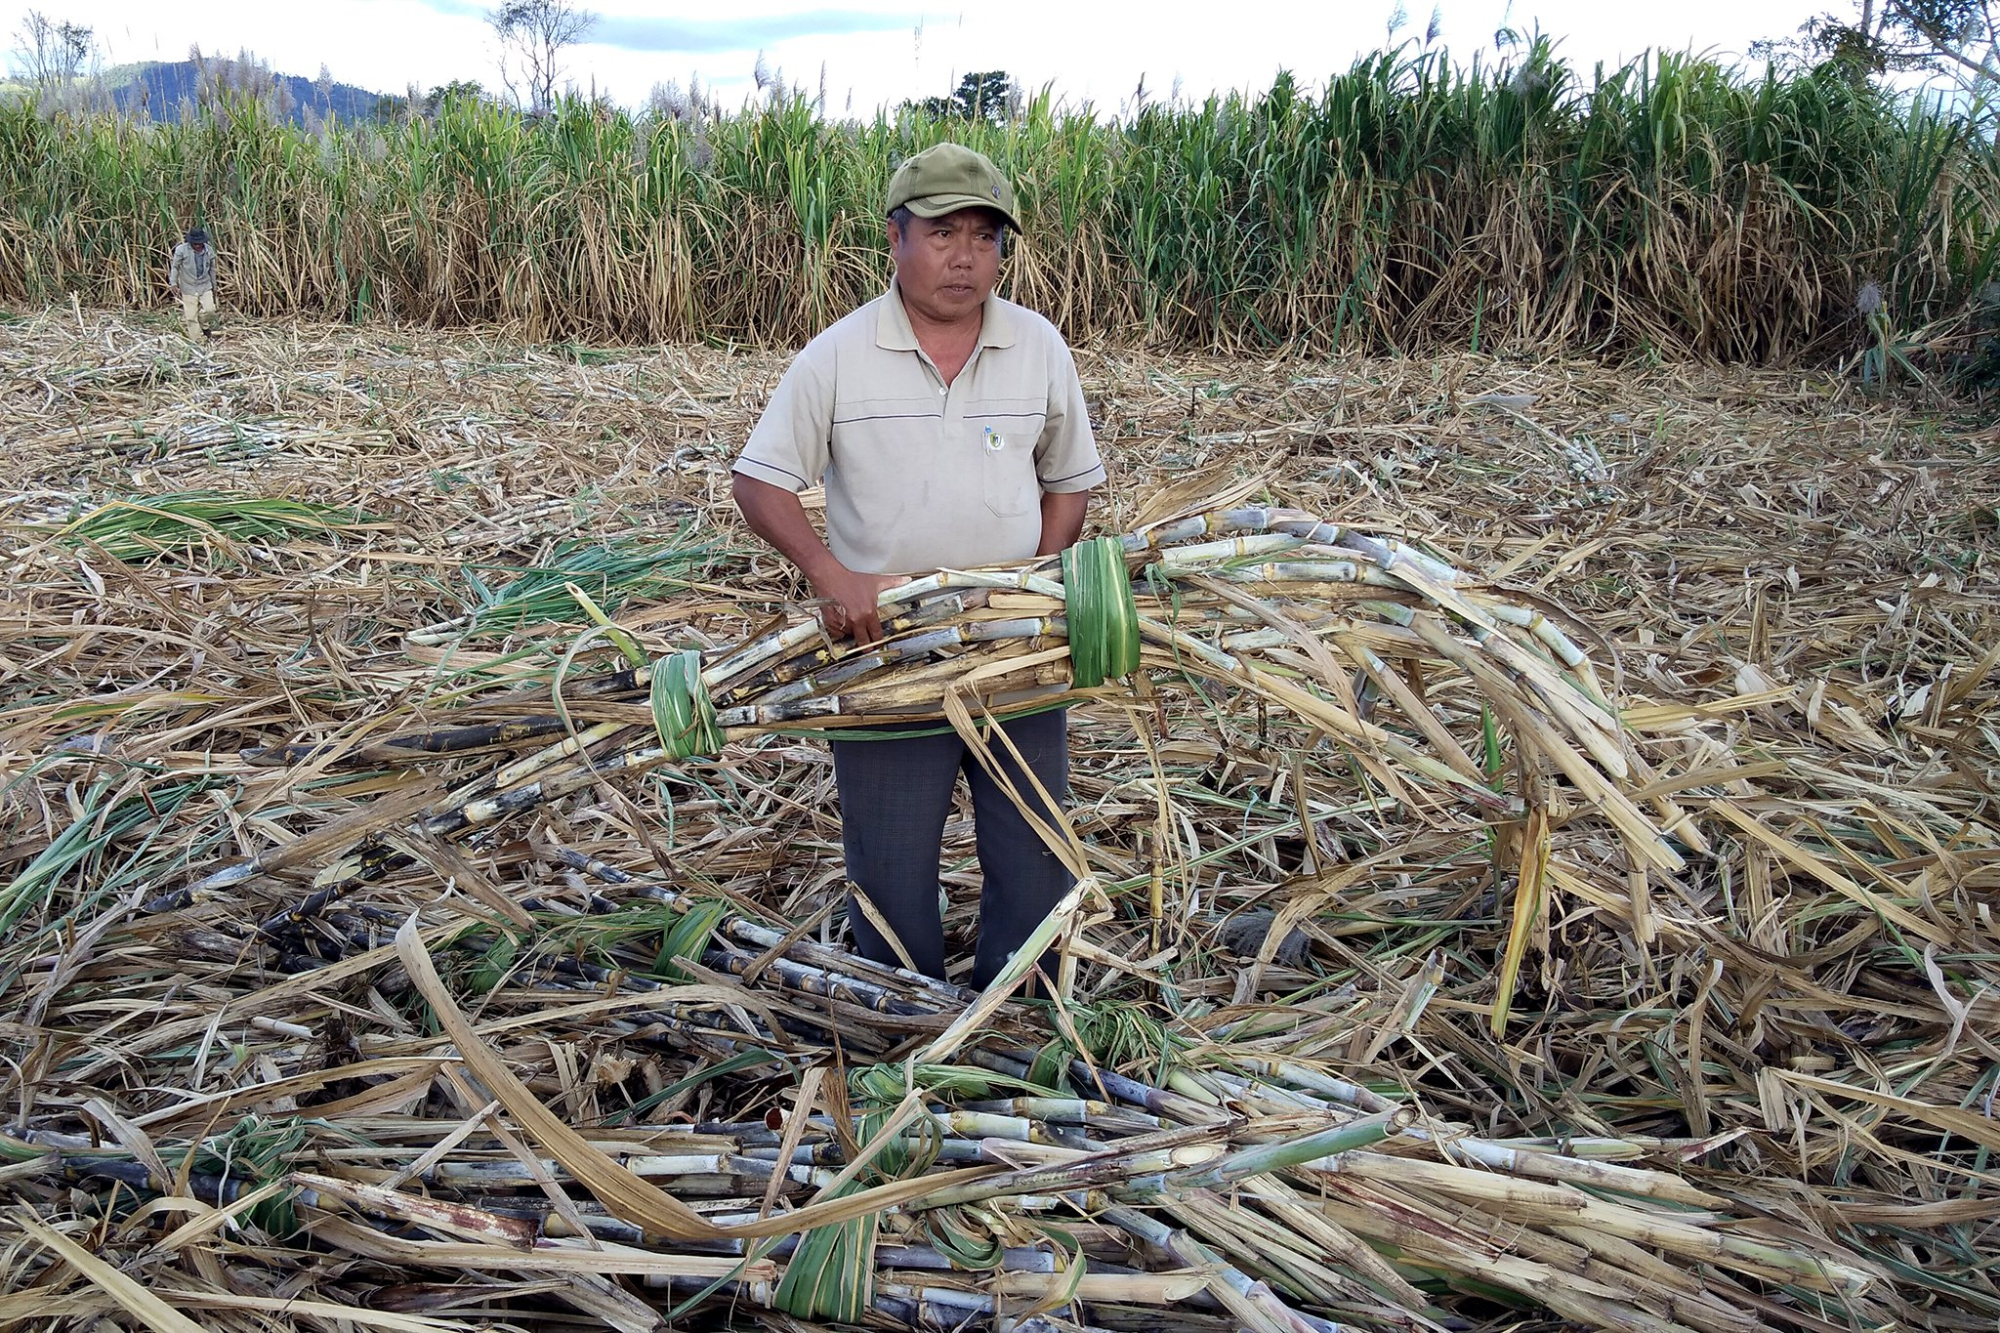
x: 1330, y: 626
x: 969, y: 1179
x: 1232, y: 1183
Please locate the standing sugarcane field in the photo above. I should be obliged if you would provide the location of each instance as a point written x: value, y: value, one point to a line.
x: 1531, y: 663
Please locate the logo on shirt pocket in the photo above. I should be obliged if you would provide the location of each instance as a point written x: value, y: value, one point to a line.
x: 1008, y: 474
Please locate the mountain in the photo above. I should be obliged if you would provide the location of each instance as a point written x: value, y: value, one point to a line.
x: 162, y: 89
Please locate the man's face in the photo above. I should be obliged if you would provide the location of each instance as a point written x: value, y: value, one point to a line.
x: 946, y: 266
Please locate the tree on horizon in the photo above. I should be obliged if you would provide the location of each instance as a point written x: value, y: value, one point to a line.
x: 1950, y: 39
x: 990, y: 96
x: 533, y: 36
x: 52, y: 53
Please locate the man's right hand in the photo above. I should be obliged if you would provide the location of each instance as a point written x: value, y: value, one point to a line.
x: 849, y: 602
x: 847, y: 599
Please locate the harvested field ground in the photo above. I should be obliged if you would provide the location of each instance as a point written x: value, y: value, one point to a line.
x: 1753, y: 1090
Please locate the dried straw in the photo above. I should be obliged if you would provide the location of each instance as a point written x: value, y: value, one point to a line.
x: 1734, y: 1075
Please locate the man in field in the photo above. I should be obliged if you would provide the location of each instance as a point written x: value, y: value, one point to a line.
x: 191, y: 276
x: 951, y: 431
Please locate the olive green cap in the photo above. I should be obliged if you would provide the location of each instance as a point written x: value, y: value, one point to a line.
x: 947, y: 177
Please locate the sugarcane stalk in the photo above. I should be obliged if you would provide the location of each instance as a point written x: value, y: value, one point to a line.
x: 1262, y: 1158
x: 1573, y: 1207
x: 1243, y: 1234
x: 940, y: 996
x: 1248, y: 1299
x: 1312, y: 1080
x: 1102, y: 1116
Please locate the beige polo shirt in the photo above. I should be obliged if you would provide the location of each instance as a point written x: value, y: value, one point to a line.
x: 191, y: 273
x: 921, y: 476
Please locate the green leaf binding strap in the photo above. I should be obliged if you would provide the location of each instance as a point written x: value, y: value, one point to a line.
x: 681, y: 707
x: 1103, y: 617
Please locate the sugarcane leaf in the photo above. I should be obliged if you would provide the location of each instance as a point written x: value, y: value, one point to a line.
x: 1073, y: 1272
x: 1489, y: 732
x: 256, y: 1149
x: 1016, y: 971
x: 832, y: 1273
x: 749, y: 1058
x: 1050, y: 1069
x: 687, y: 937
x: 625, y: 642
x: 682, y: 712
x: 1530, y: 911
x: 494, y: 965
x: 973, y: 1247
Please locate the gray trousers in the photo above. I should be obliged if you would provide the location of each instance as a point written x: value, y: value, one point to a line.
x: 894, y: 798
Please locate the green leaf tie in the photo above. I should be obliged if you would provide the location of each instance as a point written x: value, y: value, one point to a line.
x: 681, y: 708
x: 1103, y: 617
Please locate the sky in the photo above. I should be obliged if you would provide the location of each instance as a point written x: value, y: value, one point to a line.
x: 866, y: 53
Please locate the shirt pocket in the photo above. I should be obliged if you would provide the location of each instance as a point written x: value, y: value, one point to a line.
x: 886, y: 449
x: 1006, y: 469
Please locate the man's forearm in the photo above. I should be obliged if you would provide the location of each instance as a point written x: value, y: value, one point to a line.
x: 1062, y: 520
x: 776, y: 515
x: 851, y: 600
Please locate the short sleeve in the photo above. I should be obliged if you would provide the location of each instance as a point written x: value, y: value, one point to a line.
x: 1066, y: 458
x: 789, y: 446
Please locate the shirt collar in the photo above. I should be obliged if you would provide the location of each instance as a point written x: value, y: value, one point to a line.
x: 894, y: 334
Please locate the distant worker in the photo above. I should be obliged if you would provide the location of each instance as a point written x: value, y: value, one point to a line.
x: 191, y: 276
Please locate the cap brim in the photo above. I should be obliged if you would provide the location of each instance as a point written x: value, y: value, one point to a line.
x: 937, y: 205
